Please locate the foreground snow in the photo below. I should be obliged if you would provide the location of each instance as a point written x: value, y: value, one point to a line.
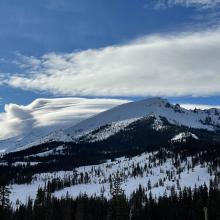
x: 154, y: 171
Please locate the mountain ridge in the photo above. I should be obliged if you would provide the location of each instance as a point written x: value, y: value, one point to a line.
x: 122, y: 115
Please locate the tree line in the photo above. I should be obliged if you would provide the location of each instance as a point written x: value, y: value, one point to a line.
x: 187, y: 204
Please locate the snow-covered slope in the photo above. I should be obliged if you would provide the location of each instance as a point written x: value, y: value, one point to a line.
x: 58, y: 136
x: 156, y: 176
x: 14, y: 143
x: 199, y: 119
x: 32, y: 139
x: 183, y: 136
x: 107, y: 131
x: 118, y: 118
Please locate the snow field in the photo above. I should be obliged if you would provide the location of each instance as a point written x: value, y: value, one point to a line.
x: 161, y: 175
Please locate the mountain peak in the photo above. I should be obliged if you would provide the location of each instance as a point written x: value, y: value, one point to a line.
x: 157, y: 106
x: 122, y: 115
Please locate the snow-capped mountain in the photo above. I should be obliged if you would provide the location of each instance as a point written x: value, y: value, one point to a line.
x: 145, y: 137
x: 110, y: 122
x: 198, y: 119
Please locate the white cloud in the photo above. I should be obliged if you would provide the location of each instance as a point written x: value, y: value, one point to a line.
x: 198, y: 106
x: 187, y: 3
x: 184, y: 64
x: 45, y: 115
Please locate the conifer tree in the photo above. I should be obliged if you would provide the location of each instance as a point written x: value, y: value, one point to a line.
x: 118, y: 208
x: 4, y: 193
x: 39, y: 204
x: 4, y: 198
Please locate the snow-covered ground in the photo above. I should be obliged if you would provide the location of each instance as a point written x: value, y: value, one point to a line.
x: 182, y: 137
x: 110, y: 130
x: 161, y: 176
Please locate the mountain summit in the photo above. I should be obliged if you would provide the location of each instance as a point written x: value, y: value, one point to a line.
x: 118, y: 118
x: 199, y: 119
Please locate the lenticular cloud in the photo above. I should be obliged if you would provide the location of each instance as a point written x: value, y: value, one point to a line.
x: 44, y: 115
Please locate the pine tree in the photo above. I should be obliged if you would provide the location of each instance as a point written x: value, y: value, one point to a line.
x: 39, y: 204
x: 81, y: 207
x: 4, y: 198
x: 116, y: 186
x: 118, y: 208
x: 4, y: 193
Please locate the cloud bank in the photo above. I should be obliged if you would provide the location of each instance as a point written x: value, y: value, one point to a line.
x: 45, y: 115
x: 184, y: 64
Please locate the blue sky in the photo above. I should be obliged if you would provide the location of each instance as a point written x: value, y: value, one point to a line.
x: 47, y: 31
